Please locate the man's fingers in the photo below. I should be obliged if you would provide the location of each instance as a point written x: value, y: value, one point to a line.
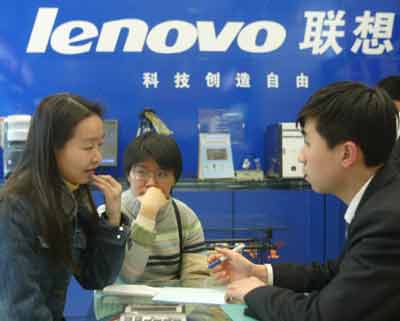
x: 228, y: 297
x: 221, y: 276
x: 213, y: 257
x: 223, y: 251
x: 232, y: 292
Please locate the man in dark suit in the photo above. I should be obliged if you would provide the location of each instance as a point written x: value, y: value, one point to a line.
x: 349, y: 131
x: 392, y: 86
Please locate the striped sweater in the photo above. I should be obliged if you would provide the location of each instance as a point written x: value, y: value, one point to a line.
x: 153, y: 254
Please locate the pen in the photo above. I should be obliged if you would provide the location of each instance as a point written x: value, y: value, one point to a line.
x: 221, y: 259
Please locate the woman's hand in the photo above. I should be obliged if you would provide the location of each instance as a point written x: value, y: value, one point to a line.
x: 112, y: 194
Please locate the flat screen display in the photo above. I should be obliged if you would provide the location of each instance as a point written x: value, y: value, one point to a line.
x: 216, y: 154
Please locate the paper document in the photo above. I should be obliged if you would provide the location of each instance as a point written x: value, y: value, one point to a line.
x: 169, y: 294
x: 131, y: 290
x: 190, y: 295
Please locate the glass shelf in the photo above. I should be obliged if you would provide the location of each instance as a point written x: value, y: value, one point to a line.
x: 195, y: 184
x: 231, y: 184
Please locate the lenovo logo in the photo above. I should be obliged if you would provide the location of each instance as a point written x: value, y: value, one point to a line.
x: 81, y: 36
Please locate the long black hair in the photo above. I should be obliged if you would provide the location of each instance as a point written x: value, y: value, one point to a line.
x: 37, y: 177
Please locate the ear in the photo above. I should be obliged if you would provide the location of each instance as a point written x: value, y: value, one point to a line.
x: 130, y: 178
x: 397, y: 104
x: 351, y: 153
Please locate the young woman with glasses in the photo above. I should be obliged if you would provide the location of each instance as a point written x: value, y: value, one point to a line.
x: 167, y: 239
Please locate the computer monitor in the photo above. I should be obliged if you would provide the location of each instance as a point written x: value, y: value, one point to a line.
x: 110, y: 146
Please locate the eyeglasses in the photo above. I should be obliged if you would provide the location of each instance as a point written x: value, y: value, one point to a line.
x: 141, y: 174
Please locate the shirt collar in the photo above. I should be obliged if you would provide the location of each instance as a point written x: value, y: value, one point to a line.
x: 398, y: 127
x: 351, y: 209
x: 71, y: 187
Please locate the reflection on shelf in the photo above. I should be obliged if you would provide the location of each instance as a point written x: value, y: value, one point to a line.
x: 222, y: 184
x: 260, y: 248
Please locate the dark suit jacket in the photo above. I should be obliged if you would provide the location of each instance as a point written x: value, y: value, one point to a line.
x: 363, y: 284
x: 395, y: 156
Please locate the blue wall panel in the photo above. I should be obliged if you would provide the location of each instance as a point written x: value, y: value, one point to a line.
x: 300, y: 212
x: 214, y: 209
x: 115, y: 79
x: 30, y: 70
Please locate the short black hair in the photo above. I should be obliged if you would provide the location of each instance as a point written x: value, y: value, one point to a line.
x: 352, y: 111
x: 161, y: 148
x: 392, y: 86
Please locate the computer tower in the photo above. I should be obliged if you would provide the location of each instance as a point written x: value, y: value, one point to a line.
x: 283, y: 142
x: 15, y: 130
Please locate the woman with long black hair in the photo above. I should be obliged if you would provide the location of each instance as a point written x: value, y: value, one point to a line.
x: 49, y: 227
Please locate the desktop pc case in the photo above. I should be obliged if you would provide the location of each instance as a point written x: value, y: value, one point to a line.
x: 283, y: 142
x: 14, y: 132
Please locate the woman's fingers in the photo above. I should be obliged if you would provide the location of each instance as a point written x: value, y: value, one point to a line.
x: 107, y: 184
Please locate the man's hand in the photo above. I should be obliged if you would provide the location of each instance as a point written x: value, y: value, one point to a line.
x: 112, y: 194
x: 236, y: 266
x: 239, y: 289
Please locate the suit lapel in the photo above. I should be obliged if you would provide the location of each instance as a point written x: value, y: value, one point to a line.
x: 384, y: 176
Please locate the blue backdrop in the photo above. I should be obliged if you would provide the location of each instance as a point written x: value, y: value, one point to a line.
x: 201, y: 65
